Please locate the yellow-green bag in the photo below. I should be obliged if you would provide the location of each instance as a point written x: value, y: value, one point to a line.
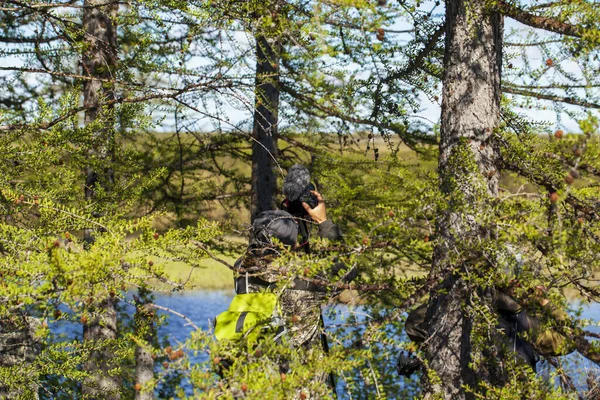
x: 247, y: 316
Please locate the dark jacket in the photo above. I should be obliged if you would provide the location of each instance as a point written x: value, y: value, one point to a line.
x: 300, y: 299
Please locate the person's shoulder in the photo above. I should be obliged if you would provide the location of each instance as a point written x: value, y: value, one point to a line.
x: 238, y: 263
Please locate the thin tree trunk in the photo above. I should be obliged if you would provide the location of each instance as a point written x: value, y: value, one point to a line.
x: 264, y: 146
x: 101, y: 332
x: 468, y: 167
x: 99, y: 61
x: 144, y: 363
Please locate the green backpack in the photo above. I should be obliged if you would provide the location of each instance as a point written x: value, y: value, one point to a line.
x: 248, y: 315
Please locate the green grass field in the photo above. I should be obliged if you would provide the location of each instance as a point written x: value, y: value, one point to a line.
x: 216, y: 276
x: 211, y: 276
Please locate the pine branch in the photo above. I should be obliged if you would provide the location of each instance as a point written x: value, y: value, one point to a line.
x: 417, y: 62
x: 120, y: 100
x: 565, y: 379
x: 560, y: 99
x: 67, y: 75
x: 555, y: 86
x: 320, y: 110
x: 542, y: 43
x: 536, y: 21
x: 46, y: 6
x: 8, y: 39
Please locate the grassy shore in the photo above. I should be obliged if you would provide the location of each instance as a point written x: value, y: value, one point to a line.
x: 212, y: 275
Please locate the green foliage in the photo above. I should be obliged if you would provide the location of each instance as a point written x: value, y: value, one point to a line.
x: 352, y: 81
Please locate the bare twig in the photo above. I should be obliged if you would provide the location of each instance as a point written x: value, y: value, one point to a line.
x: 540, y: 22
x: 189, y: 321
x: 225, y: 263
x: 561, y: 99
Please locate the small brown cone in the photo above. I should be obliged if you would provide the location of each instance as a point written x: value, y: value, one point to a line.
x: 569, y: 179
x: 559, y: 134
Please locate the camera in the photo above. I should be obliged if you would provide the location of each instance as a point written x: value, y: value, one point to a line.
x: 295, y: 207
x: 309, y: 198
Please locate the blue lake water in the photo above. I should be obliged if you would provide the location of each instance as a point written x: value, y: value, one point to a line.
x: 199, y: 307
x: 202, y: 306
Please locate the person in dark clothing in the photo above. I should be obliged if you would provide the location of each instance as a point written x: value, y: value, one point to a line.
x: 300, y: 299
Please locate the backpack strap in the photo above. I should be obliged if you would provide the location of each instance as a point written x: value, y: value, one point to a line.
x: 243, y: 281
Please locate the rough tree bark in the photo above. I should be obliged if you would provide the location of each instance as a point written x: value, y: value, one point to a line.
x: 468, y: 167
x: 144, y: 363
x: 264, y: 132
x: 100, y: 330
x: 18, y: 345
x: 99, y: 60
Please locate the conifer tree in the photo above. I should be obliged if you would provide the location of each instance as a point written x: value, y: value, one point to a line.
x: 455, y: 232
x: 265, y: 126
x: 99, y: 61
x: 62, y: 54
x: 468, y: 169
x: 469, y: 166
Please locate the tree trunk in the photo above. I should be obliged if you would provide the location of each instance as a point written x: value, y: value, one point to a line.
x: 99, y: 61
x: 144, y: 363
x: 101, y: 332
x: 18, y: 346
x: 468, y: 167
x: 264, y: 133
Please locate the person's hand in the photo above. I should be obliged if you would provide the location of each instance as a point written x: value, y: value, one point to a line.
x: 540, y: 292
x: 318, y: 214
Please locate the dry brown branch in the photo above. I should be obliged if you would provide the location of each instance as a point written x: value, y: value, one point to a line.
x: 189, y: 321
x: 561, y: 99
x: 225, y: 263
x: 536, y: 21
